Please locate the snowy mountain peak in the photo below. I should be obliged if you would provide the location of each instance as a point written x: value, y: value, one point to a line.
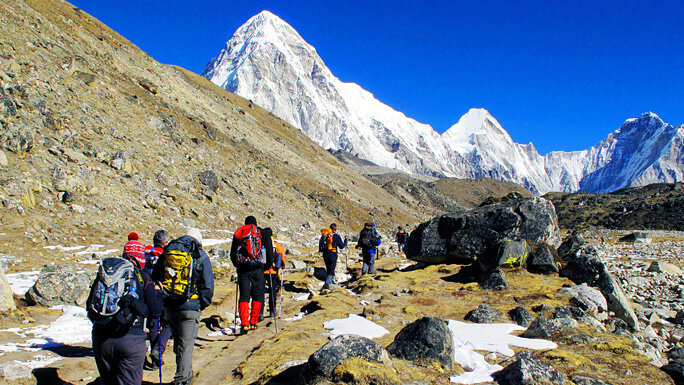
x: 268, y: 62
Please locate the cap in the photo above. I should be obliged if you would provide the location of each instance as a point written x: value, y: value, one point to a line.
x: 195, y: 233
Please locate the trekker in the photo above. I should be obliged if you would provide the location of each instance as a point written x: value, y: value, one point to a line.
x: 329, y: 244
x: 118, y: 313
x: 272, y: 278
x: 401, y: 237
x: 157, y: 340
x: 184, y: 271
x: 251, y: 252
x: 369, y: 240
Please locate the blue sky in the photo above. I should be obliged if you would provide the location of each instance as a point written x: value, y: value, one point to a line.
x: 560, y: 74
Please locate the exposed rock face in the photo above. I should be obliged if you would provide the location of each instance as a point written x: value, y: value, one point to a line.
x: 528, y: 370
x: 541, y: 261
x: 428, y: 337
x: 590, y: 299
x: 584, y: 266
x: 60, y: 285
x: 540, y: 328
x: 466, y: 237
x: 6, y: 297
x: 520, y: 316
x: 335, y: 352
x: 483, y: 314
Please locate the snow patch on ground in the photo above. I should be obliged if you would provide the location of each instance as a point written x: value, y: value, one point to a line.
x: 297, y: 317
x: 355, y: 324
x: 469, y: 337
x: 16, y: 369
x: 22, y: 282
x: 214, y: 242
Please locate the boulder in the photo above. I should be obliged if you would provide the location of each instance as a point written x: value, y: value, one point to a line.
x: 492, y: 280
x: 541, y: 261
x: 483, y: 314
x: 508, y: 254
x: 336, y: 351
x: 636, y: 237
x: 464, y: 237
x: 527, y: 369
x: 3, y: 159
x: 426, y: 338
x: 582, y: 380
x: 60, y: 285
x: 675, y: 369
x: 584, y: 266
x: 210, y: 182
x: 587, y: 294
x: 540, y: 328
x: 664, y: 267
x: 6, y: 296
x: 520, y: 316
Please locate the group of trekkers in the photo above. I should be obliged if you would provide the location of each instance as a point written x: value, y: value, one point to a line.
x: 157, y: 292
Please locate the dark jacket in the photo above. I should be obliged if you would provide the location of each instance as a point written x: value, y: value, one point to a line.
x: 265, y: 243
x: 369, y: 240
x: 148, y: 305
x: 337, y: 243
x: 202, y: 272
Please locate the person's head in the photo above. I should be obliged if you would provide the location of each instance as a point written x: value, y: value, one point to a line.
x: 250, y: 220
x: 133, y: 236
x: 400, y: 229
x: 161, y: 238
x: 195, y: 233
x: 333, y: 227
x: 134, y: 251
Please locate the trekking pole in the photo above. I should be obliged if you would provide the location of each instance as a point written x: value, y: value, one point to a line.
x: 282, y: 278
x: 270, y: 295
x: 159, y: 349
x: 237, y: 287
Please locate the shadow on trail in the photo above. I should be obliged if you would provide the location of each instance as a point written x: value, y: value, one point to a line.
x: 69, y: 351
x: 291, y: 375
x: 48, y: 376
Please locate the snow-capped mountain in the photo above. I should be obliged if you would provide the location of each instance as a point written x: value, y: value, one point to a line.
x: 268, y: 62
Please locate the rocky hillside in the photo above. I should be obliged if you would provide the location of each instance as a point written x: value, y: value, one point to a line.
x: 98, y: 139
x: 657, y: 206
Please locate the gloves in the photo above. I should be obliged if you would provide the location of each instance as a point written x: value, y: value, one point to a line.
x: 125, y: 301
x: 130, y: 304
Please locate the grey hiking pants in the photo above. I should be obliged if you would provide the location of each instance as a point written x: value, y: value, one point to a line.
x: 120, y: 359
x: 184, y: 327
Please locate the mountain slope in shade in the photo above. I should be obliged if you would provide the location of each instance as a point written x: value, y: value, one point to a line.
x: 268, y: 62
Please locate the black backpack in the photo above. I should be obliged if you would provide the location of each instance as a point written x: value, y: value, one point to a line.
x: 367, y: 239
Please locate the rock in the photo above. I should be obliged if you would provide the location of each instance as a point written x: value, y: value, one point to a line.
x: 336, y: 351
x: 308, y: 225
x: 520, y: 316
x: 541, y: 260
x: 540, y: 328
x: 68, y: 197
x: 78, y: 209
x: 676, y: 354
x: 297, y: 265
x: 587, y: 294
x: 426, y: 338
x: 664, y: 267
x: 581, y: 380
x: 585, y: 266
x: 679, y: 318
x: 508, y: 254
x: 210, y: 181
x: 493, y: 280
x: 675, y: 369
x: 541, y: 308
x: 6, y: 296
x: 466, y: 236
x: 637, y: 237
x: 85, y: 77
x: 563, y: 323
x: 75, y: 156
x: 527, y: 369
x: 17, y: 138
x: 149, y: 86
x: 571, y: 246
x: 483, y: 314
x: 60, y: 285
x: 3, y: 159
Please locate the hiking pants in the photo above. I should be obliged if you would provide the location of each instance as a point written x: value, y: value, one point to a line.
x: 158, y: 344
x: 120, y: 359
x: 184, y: 327
x: 252, y: 285
x: 330, y: 260
x: 368, y: 263
x: 272, y: 291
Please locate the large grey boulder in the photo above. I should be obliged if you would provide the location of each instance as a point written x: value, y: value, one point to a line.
x: 581, y: 264
x: 6, y: 296
x: 541, y: 261
x: 337, y: 350
x: 428, y: 337
x: 60, y: 285
x: 478, y: 233
x: 483, y: 314
x: 527, y: 369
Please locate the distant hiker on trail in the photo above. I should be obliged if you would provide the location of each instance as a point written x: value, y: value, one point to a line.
x: 184, y: 271
x: 272, y: 279
x: 120, y: 299
x: 251, y: 253
x: 401, y: 237
x: 329, y: 244
x: 157, y: 342
x: 369, y: 240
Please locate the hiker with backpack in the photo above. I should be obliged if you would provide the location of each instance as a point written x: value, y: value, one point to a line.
x: 160, y: 331
x: 185, y: 273
x: 369, y: 240
x: 121, y: 298
x: 329, y: 243
x: 251, y: 252
x: 271, y: 277
x: 401, y: 237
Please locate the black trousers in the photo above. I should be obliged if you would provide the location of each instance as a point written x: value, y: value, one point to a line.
x: 272, y: 291
x: 120, y: 359
x: 251, y: 284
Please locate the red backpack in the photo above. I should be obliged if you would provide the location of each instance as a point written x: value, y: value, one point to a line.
x: 250, y: 251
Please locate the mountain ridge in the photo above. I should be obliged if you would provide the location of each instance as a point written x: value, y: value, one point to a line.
x: 297, y: 86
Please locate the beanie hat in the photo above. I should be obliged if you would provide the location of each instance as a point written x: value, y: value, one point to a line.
x: 250, y: 220
x: 195, y: 233
x: 133, y: 236
x: 136, y: 251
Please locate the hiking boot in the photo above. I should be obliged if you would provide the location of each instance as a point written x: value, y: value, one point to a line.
x: 253, y: 327
x: 243, y: 330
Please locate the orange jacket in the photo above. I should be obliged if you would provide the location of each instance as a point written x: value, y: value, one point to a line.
x: 277, y: 250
